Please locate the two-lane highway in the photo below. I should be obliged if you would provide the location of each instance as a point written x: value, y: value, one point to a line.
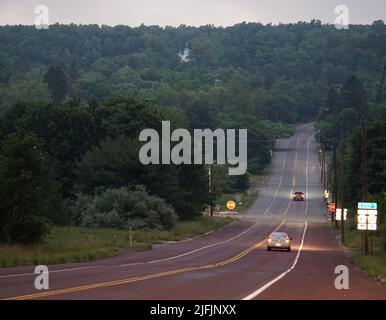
x: 228, y: 264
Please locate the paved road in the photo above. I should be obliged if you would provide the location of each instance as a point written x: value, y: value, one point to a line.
x: 229, y: 264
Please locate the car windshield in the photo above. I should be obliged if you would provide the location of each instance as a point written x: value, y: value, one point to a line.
x: 279, y: 236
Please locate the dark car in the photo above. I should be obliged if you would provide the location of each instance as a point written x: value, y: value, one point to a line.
x: 298, y: 196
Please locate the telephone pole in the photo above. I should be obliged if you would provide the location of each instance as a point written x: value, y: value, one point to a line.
x: 365, y: 241
x: 335, y: 194
x: 211, y: 189
x: 342, y: 183
x: 323, y: 159
x: 325, y: 169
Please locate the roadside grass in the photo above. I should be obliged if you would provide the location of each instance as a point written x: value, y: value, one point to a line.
x: 375, y: 264
x: 245, y: 199
x: 73, y: 244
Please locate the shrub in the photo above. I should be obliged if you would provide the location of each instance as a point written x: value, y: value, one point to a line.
x: 123, y: 208
x: 29, y: 229
x: 28, y: 194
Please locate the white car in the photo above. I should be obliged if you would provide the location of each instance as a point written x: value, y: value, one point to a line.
x: 279, y: 241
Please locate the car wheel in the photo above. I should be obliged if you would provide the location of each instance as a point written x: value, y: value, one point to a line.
x: 268, y: 249
x: 289, y: 250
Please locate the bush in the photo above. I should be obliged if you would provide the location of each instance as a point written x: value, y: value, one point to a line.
x: 29, y: 229
x: 123, y: 208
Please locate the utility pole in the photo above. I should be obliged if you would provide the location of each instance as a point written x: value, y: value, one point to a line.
x: 325, y: 169
x: 342, y: 183
x: 211, y: 189
x: 335, y: 194
x: 322, y: 161
x: 364, y: 164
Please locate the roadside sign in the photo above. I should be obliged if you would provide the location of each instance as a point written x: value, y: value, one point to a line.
x: 338, y: 215
x: 367, y: 206
x: 332, y: 207
x: 367, y: 216
x: 326, y: 194
x: 231, y: 205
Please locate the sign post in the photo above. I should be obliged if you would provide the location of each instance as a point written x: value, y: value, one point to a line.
x: 367, y: 217
x: 341, y: 215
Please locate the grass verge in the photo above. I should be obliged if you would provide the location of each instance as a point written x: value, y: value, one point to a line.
x: 245, y: 199
x: 375, y: 264
x: 72, y: 244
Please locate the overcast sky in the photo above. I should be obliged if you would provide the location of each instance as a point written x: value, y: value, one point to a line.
x: 189, y: 12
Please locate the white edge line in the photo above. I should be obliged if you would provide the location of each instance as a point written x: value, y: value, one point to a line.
x: 53, y: 271
x: 281, y: 276
x: 269, y: 284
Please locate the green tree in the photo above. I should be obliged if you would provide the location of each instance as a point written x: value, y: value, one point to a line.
x: 115, y: 164
x: 66, y: 130
x: 27, y: 192
x: 57, y: 82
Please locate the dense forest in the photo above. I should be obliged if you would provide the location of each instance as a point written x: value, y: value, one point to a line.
x: 74, y: 98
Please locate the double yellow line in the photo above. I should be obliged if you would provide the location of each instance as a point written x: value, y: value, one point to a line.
x: 293, y: 177
x: 145, y: 277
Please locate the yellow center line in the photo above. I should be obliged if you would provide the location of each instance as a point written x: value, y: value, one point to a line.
x: 145, y: 277
x: 293, y: 178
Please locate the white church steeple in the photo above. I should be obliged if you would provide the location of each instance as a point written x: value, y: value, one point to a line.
x: 184, y: 53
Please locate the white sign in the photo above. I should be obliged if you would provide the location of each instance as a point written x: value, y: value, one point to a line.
x: 367, y: 216
x: 338, y: 216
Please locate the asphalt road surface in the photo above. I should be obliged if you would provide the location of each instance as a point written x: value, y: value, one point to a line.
x: 232, y: 263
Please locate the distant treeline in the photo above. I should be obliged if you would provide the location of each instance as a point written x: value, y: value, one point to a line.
x: 270, y: 72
